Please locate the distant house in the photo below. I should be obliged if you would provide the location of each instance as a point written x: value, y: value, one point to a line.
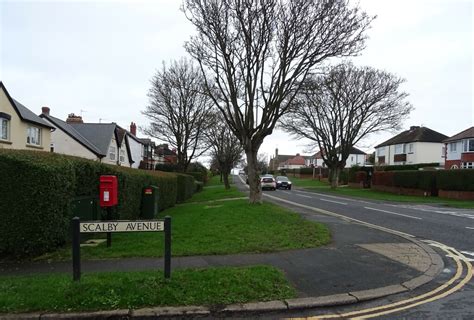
x: 104, y: 142
x: 293, y: 163
x: 165, y: 155
x: 275, y: 161
x: 356, y: 157
x: 149, y: 158
x: 135, y: 145
x: 413, y: 146
x: 460, y: 150
x: 20, y: 128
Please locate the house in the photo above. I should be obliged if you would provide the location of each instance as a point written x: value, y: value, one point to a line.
x: 293, y: 163
x: 20, y: 128
x: 136, y: 146
x: 413, y: 146
x: 165, y: 155
x: 356, y: 158
x: 104, y: 142
x: 149, y: 158
x: 277, y: 159
x: 460, y: 150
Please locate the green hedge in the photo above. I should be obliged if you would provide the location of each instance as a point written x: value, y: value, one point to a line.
x: 38, y: 187
x: 456, y: 180
x: 423, y: 180
x: 407, y: 167
x: 186, y: 187
x: 34, y: 202
x: 199, y: 176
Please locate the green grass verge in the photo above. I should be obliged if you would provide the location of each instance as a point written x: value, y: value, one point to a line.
x: 117, y: 290
x: 378, y: 195
x: 227, y: 227
x: 215, y: 190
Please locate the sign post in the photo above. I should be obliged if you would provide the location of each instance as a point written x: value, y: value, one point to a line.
x: 109, y: 227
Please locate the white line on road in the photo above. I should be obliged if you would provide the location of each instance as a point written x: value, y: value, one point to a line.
x: 470, y: 228
x: 469, y: 253
x: 334, y: 197
x: 395, y: 213
x: 333, y: 201
x: 302, y: 195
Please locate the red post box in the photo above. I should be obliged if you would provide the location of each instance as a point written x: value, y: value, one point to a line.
x: 108, y: 191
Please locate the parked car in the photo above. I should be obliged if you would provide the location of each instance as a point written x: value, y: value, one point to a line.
x: 283, y: 182
x: 268, y: 183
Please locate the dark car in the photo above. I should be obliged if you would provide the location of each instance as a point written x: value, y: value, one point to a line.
x: 283, y: 182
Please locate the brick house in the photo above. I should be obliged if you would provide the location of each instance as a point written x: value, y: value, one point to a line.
x: 460, y: 150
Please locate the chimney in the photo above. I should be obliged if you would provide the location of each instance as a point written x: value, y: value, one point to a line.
x: 72, y: 118
x: 414, y: 128
x: 45, y: 110
x: 276, y: 153
x: 133, y: 128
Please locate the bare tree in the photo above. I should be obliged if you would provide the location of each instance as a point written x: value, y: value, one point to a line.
x: 338, y: 109
x: 179, y: 110
x: 225, y: 147
x: 256, y: 53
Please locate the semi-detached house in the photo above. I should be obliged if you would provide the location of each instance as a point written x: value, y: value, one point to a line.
x: 20, y: 128
x: 460, y: 150
x: 413, y: 146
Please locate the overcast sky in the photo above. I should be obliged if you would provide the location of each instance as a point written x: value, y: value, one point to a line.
x: 96, y: 58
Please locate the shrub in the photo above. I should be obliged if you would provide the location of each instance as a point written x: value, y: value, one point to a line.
x: 456, y: 180
x: 383, y: 178
x: 199, y: 186
x: 38, y: 187
x: 167, y: 167
x: 34, y: 202
x: 186, y: 187
x: 198, y: 176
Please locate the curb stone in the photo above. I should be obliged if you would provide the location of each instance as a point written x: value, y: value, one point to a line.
x: 325, y: 301
x: 371, y: 294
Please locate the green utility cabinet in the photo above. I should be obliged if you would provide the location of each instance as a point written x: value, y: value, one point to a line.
x: 85, y: 207
x: 149, y: 208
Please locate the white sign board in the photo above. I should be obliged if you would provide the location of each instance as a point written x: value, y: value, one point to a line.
x: 122, y: 226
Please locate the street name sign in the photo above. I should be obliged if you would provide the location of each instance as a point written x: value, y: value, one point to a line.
x: 122, y: 226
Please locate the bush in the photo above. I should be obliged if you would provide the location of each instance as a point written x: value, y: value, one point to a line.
x: 383, y: 178
x: 167, y: 167
x: 424, y: 180
x: 38, y: 187
x: 407, y: 166
x: 456, y: 180
x: 199, y: 186
x: 198, y: 176
x: 186, y: 187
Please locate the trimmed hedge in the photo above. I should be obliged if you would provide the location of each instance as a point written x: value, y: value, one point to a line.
x: 38, y: 187
x: 199, y: 176
x: 186, y: 187
x: 456, y: 180
x: 423, y: 180
x: 407, y: 166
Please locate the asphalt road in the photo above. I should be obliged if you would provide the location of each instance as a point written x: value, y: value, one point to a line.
x: 450, y: 226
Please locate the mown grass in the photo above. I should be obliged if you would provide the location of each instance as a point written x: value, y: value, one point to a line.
x: 214, y: 190
x: 371, y: 194
x: 118, y: 290
x: 214, y: 228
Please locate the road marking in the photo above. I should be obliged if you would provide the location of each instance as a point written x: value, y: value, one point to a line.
x: 344, y: 203
x: 435, y: 210
x: 395, y: 213
x: 418, y: 300
x: 334, y: 197
x: 341, y: 216
x: 302, y: 195
x: 470, y: 228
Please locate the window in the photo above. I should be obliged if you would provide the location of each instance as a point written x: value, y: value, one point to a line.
x: 452, y: 146
x: 112, y: 153
x: 399, y: 148
x: 410, y: 148
x: 4, y: 129
x: 122, y: 155
x: 380, y: 151
x: 33, y: 135
x: 468, y: 145
x: 467, y: 165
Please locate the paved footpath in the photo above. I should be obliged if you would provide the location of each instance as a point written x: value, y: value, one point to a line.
x: 361, y: 263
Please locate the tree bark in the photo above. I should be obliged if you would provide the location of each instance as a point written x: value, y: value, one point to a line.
x: 335, y: 177
x: 254, y: 178
x: 226, y: 179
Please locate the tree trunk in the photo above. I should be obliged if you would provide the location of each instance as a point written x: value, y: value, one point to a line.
x: 221, y: 175
x: 255, y: 195
x: 335, y: 177
x: 226, y: 179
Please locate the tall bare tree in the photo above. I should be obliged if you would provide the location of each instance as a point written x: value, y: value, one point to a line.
x: 338, y: 109
x: 256, y: 53
x: 225, y: 147
x: 179, y: 110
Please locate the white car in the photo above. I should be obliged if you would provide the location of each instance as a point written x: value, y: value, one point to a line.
x: 268, y: 183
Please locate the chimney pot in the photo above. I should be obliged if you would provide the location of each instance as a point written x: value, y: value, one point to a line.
x: 414, y: 128
x: 45, y: 110
x: 133, y: 128
x: 72, y: 118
